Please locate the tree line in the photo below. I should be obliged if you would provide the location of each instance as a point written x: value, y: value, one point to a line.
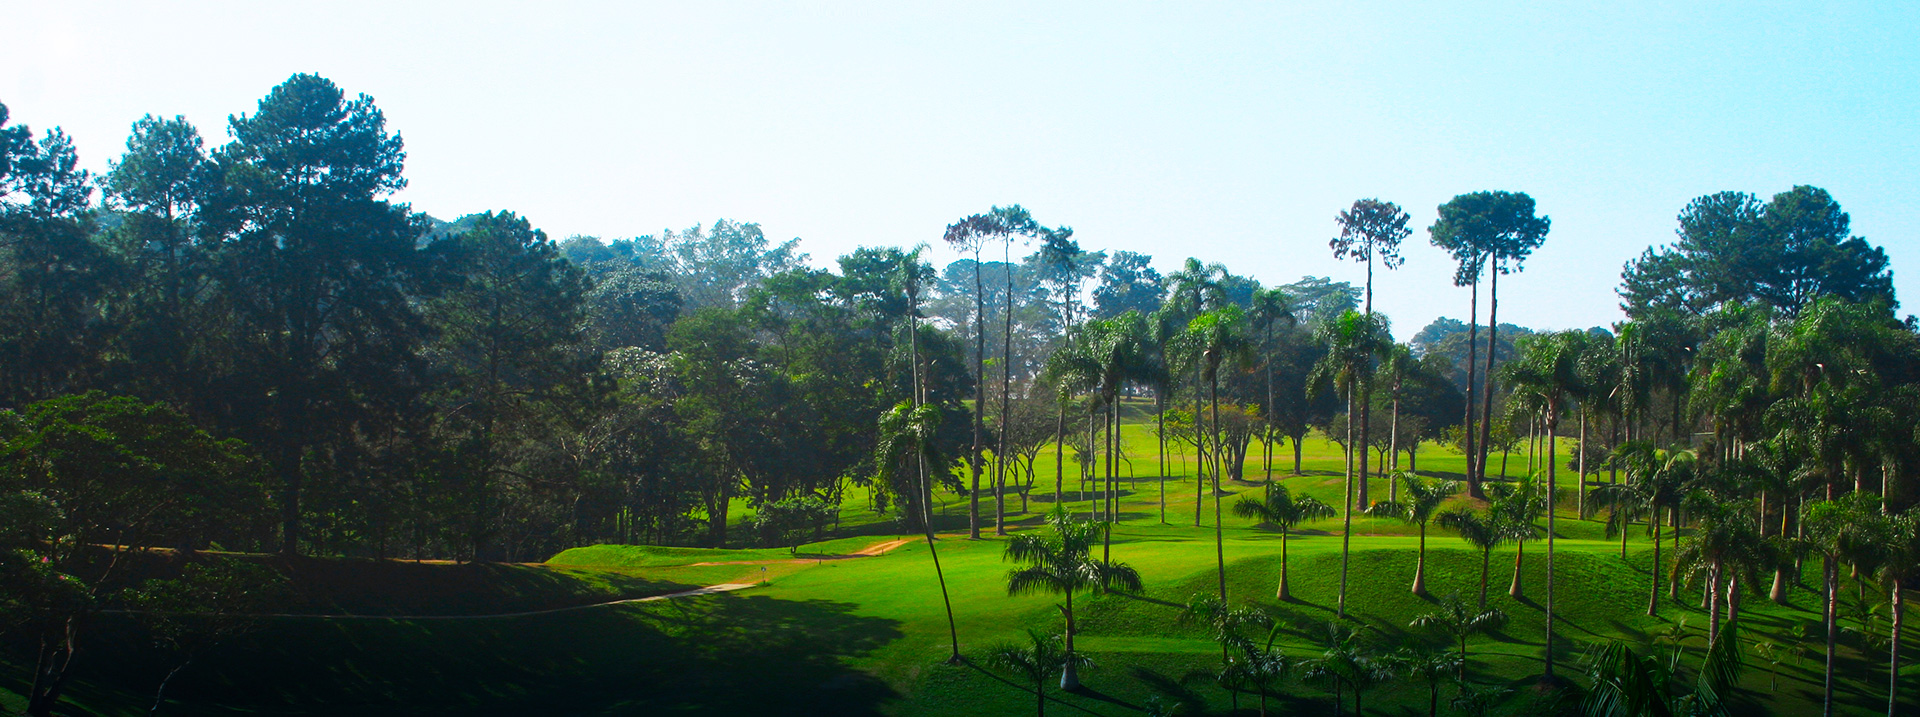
x: 253, y: 347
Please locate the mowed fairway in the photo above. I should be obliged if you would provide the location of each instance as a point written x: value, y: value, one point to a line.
x: 868, y: 635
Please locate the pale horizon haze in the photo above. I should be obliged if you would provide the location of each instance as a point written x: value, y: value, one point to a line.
x: 1227, y: 132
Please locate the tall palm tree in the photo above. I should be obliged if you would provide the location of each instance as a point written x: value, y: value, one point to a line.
x: 1272, y: 308
x: 1219, y: 335
x: 1196, y: 289
x: 1424, y: 498
x: 1354, y: 340
x: 1062, y: 564
x: 907, y: 435
x: 1840, y: 530
x: 1482, y: 531
x: 1724, y: 543
x: 1454, y: 619
x: 1283, y: 510
x: 1397, y: 367
x: 1037, y: 660
x: 1900, y: 557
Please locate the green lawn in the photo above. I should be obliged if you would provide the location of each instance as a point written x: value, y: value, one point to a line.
x: 869, y: 635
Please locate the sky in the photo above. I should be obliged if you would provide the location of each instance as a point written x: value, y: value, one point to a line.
x: 1233, y: 133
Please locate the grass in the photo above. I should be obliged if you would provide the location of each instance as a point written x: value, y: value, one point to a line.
x: 868, y: 635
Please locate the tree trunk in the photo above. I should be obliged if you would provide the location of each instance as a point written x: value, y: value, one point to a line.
x: 1830, y: 573
x: 1552, y: 422
x: 1493, y: 330
x: 1895, y: 606
x: 1346, y: 510
x: 1420, y: 564
x: 1653, y: 601
x: 1219, y: 536
x: 1473, y: 348
x: 1519, y: 556
x: 1069, y: 675
x: 1282, y: 593
x: 1486, y: 566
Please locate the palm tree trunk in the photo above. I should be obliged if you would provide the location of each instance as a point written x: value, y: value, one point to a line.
x: 1040, y: 696
x: 1420, y: 564
x: 1519, y: 555
x: 1551, y: 421
x: 1219, y: 536
x: 1486, y: 566
x: 1896, y: 606
x: 1160, y: 452
x: 1830, y: 573
x: 979, y: 396
x: 1346, y: 529
x: 1282, y: 593
x: 1713, y: 602
x: 1653, y: 601
x: 1199, y: 449
x: 1582, y: 467
x: 1069, y: 675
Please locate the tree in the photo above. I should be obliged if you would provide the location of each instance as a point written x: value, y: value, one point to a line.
x: 1348, y: 663
x: 210, y: 602
x: 1516, y: 509
x: 1128, y: 281
x: 87, y: 473
x: 970, y: 235
x: 1549, y: 368
x: 1457, y: 622
x: 1061, y: 564
x: 1900, y: 557
x: 1371, y: 228
x: 1433, y: 666
x: 1480, y: 531
x: 510, y: 338
x: 319, y: 267
x: 1626, y: 684
x: 1282, y: 510
x: 1272, y: 308
x: 1353, y: 341
x: 1500, y: 230
x: 1424, y: 498
x: 1036, y: 661
x: 1839, y: 530
x: 1218, y: 335
x: 1733, y: 249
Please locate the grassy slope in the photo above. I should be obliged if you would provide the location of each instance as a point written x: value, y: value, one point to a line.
x: 866, y: 636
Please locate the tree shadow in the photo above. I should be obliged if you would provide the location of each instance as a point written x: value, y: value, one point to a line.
x: 723, y: 654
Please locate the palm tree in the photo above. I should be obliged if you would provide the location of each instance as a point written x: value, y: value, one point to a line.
x: 1348, y: 663
x: 1724, y: 542
x: 1062, y: 564
x: 1424, y: 497
x: 1433, y: 666
x: 1226, y: 625
x: 1480, y: 531
x: 1900, y: 557
x: 1282, y: 510
x: 1271, y: 308
x: 1840, y: 530
x: 1516, y: 509
x: 1626, y: 684
x: 1196, y: 290
x: 1037, y: 660
x: 1353, y: 341
x: 1398, y: 365
x: 1219, y: 334
x: 907, y: 436
x: 1549, y: 368
x: 1458, y: 622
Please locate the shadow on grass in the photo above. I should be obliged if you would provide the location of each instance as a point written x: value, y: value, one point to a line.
x: 726, y: 654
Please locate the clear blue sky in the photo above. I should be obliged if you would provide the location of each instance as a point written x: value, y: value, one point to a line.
x: 1232, y: 133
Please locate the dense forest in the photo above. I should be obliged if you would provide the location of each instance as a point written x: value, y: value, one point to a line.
x: 252, y: 347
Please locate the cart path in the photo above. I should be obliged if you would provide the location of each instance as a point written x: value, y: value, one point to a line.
x: 874, y: 550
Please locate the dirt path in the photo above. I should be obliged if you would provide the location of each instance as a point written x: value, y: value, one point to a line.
x: 874, y: 550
